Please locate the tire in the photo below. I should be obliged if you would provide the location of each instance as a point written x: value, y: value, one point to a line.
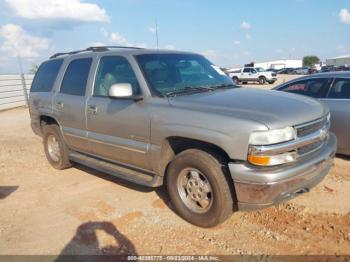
x: 271, y: 82
x: 262, y: 80
x: 235, y: 80
x: 188, y: 166
x: 55, y: 148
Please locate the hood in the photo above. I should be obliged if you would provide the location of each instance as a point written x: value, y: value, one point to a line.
x: 272, y: 108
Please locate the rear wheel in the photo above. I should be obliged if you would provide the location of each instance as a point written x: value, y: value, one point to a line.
x: 55, y: 148
x: 199, y: 188
x: 262, y: 80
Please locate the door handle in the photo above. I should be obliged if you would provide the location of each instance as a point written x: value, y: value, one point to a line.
x: 59, y: 106
x: 92, y: 110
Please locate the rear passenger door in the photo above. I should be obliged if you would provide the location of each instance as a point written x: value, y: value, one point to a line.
x: 69, y: 103
x: 338, y: 100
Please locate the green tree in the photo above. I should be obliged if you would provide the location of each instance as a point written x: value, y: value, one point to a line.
x: 33, y: 69
x: 310, y: 60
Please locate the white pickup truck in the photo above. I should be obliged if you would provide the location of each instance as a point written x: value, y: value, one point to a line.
x: 253, y: 74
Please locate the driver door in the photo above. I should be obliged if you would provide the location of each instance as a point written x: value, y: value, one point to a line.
x: 245, y: 74
x: 253, y: 74
x: 118, y: 129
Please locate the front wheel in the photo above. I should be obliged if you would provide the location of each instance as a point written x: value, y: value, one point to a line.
x: 271, y: 82
x: 235, y: 80
x: 199, y: 188
x: 262, y: 80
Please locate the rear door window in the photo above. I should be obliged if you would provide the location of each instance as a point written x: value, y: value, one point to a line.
x: 46, y: 76
x: 316, y: 87
x: 76, y: 76
x: 340, y: 89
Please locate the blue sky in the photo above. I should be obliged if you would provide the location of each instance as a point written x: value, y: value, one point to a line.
x: 230, y: 33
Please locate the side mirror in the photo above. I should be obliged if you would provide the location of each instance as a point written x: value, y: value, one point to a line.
x: 123, y: 91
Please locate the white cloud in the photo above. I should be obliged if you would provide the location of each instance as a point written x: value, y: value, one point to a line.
x: 248, y: 36
x: 245, y: 25
x: 118, y: 39
x: 237, y: 42
x: 170, y: 47
x: 344, y: 16
x: 19, y: 42
x: 75, y: 10
x: 152, y: 29
x: 96, y: 44
x: 211, y: 54
x: 340, y: 48
x: 104, y: 32
x: 246, y: 53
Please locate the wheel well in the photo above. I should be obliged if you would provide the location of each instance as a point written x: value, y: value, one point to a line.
x: 47, y: 120
x: 175, y: 145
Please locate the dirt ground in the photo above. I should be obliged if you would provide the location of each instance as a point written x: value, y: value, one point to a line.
x: 81, y: 211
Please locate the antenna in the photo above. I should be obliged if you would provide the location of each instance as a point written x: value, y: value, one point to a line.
x: 157, y: 40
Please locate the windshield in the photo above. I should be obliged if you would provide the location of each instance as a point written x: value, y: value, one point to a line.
x: 174, y: 73
x: 259, y: 69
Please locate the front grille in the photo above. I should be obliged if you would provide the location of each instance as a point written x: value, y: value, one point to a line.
x: 274, y: 74
x: 309, y: 148
x: 308, y: 129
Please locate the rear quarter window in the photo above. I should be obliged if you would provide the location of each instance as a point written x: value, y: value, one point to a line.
x: 46, y: 76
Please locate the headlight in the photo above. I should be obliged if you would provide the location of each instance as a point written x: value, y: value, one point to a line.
x: 270, y: 137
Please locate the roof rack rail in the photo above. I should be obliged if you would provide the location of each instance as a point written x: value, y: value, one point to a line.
x: 67, y: 53
x: 93, y: 49
x: 126, y: 47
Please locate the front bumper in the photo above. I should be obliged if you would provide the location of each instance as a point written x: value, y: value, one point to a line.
x: 258, y: 187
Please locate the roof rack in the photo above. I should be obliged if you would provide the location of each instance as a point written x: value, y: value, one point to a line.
x: 93, y: 49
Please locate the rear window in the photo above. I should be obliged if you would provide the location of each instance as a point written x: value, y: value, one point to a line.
x: 76, y: 76
x: 46, y: 76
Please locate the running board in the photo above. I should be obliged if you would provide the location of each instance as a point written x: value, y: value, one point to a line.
x: 138, y: 177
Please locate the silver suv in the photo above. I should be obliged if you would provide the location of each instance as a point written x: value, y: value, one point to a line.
x: 173, y: 118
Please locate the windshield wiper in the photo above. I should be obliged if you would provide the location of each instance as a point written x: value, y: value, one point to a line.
x: 189, y: 89
x: 224, y: 86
